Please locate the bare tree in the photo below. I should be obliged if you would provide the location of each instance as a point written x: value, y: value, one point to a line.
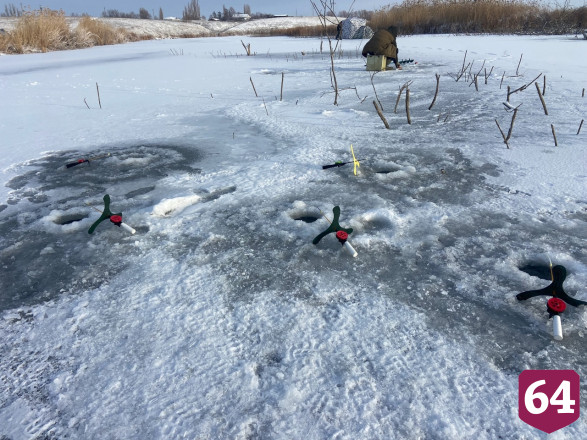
x: 11, y: 11
x: 160, y: 14
x: 191, y: 11
x: 144, y: 14
x: 324, y: 9
x: 247, y: 9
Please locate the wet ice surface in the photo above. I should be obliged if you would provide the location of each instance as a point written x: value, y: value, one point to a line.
x: 220, y: 319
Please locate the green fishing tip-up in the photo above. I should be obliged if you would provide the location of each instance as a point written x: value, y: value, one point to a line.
x: 114, y: 218
x: 342, y: 234
x: 555, y: 289
x: 558, y: 303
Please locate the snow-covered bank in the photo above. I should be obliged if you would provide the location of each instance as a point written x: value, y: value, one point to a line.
x: 219, y: 318
x: 160, y: 29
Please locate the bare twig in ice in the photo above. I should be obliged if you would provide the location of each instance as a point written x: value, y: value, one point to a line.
x: 541, y: 99
x: 254, y: 90
x: 519, y: 62
x: 436, y: 92
x: 406, y: 85
x: 247, y: 48
x: 282, y: 76
x: 523, y: 87
x: 408, y: 105
x: 98, y: 90
x: 266, y: 111
x: 380, y: 113
x: 376, y: 96
x: 554, y: 135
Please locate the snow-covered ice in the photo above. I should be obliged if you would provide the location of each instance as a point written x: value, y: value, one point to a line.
x: 219, y: 318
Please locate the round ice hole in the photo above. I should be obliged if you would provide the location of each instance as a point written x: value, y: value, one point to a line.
x: 69, y: 219
x: 538, y: 270
x: 307, y: 218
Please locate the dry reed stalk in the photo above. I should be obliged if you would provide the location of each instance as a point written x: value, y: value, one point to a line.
x: 502, y: 77
x: 479, y: 73
x: 98, y: 90
x: 505, y: 141
x: 436, y: 92
x: 266, y: 111
x: 463, y: 68
x: 400, y: 95
x: 247, y: 48
x: 282, y: 76
x: 375, y: 91
x: 254, y: 89
x: 544, y: 86
x: 487, y: 75
x: 380, y: 113
x: 541, y: 99
x: 519, y: 62
x: 519, y: 89
x: 89, y: 108
x: 512, y: 124
x: 580, y: 125
x: 408, y: 105
x: 554, y: 135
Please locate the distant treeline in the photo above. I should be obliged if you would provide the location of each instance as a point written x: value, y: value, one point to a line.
x: 190, y: 12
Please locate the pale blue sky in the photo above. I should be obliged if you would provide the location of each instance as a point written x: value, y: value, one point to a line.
x: 175, y: 7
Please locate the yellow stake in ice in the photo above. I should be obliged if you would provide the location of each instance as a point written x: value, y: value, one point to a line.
x: 355, y: 161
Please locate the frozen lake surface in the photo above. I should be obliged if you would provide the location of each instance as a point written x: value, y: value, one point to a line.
x: 219, y: 318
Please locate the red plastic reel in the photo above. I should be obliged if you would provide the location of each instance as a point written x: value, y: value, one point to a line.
x: 556, y: 305
x: 341, y: 235
x: 116, y: 219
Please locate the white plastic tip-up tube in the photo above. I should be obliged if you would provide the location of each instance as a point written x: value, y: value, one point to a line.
x: 351, y: 250
x: 557, y: 328
x: 128, y: 228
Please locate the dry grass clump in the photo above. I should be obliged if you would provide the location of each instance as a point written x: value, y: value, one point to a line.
x: 46, y: 30
x: 92, y: 32
x: 475, y: 16
x: 36, y: 31
x: 304, y: 31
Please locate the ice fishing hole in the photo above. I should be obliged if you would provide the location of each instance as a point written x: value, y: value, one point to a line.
x: 536, y: 270
x: 387, y: 169
x: 307, y: 218
x: 69, y: 219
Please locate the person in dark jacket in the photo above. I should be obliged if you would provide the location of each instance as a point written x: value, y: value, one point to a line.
x: 383, y: 42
